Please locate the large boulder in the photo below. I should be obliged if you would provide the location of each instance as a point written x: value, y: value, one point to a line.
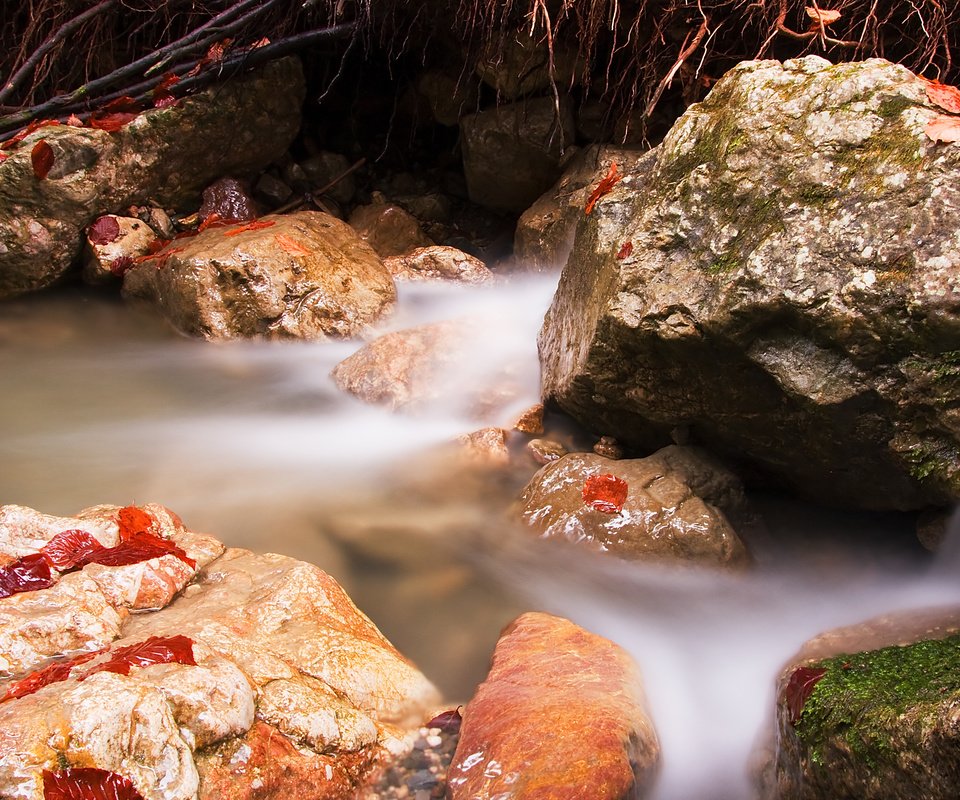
x: 783, y: 284
x: 872, y: 711
x: 560, y: 715
x: 305, y: 275
x: 165, y: 155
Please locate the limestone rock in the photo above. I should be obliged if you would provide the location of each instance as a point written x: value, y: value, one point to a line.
x: 872, y: 711
x: 307, y: 275
x: 793, y: 291
x: 438, y: 263
x: 108, y: 260
x: 598, y: 741
x: 512, y: 153
x: 661, y: 515
x: 388, y: 229
x: 167, y: 155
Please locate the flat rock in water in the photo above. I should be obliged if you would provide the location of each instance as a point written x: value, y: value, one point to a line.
x: 305, y: 275
x: 561, y: 714
x: 255, y: 675
x: 784, y: 279
x: 637, y: 508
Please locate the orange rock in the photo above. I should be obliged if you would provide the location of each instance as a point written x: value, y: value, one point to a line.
x: 560, y: 715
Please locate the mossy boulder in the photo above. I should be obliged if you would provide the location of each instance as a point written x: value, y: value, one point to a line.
x: 790, y: 295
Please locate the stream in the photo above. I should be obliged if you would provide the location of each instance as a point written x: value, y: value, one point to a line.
x: 251, y: 441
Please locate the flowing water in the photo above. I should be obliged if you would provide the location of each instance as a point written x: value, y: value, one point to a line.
x: 252, y: 442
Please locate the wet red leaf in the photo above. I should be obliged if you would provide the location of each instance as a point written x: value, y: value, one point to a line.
x: 263, y: 42
x: 214, y: 54
x: 155, y: 650
x: 104, y: 230
x: 74, y: 121
x: 943, y: 95
x: 27, y: 574
x: 42, y: 158
x: 121, y: 265
x: 606, y: 493
x: 133, y: 520
x: 71, y: 549
x: 87, y: 783
x: 141, y: 548
x: 943, y: 129
x: 256, y: 225
x: 448, y: 721
x: 625, y: 250
x: 162, y: 96
x: 13, y: 141
x: 799, y: 688
x: 53, y: 673
x: 112, y: 122
x: 604, y: 187
x: 291, y: 246
x: 212, y: 220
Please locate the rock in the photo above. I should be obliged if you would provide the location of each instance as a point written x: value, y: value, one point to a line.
x: 530, y: 421
x: 448, y: 98
x: 608, y: 448
x: 438, y: 263
x: 545, y: 230
x: 272, y: 190
x: 166, y: 155
x: 512, y: 153
x: 544, y: 451
x: 792, y: 292
x: 660, y: 515
x: 486, y: 447
x: 108, y: 258
x: 388, y: 229
x: 230, y: 200
x: 323, y: 168
x: 933, y: 527
x: 598, y: 741
x: 871, y: 711
x: 304, y: 275
x: 518, y: 64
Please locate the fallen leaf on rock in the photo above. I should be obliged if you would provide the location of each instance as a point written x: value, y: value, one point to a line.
x: 822, y: 16
x: 70, y: 549
x: 121, y: 265
x: 255, y: 225
x: 162, y: 96
x: 13, y: 141
x: 52, y: 673
x: 27, y: 574
x: 943, y: 129
x: 291, y: 246
x: 87, y: 783
x: 604, y: 187
x: 155, y: 650
x: 625, y: 250
x: 802, y: 682
x: 133, y: 521
x: 448, y: 721
x: 112, y: 122
x: 74, y: 121
x: 943, y: 95
x: 42, y: 158
x: 606, y: 493
x: 210, y: 221
x: 142, y: 547
x: 104, y: 230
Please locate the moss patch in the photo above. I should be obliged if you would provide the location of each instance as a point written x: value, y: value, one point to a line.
x: 863, y: 699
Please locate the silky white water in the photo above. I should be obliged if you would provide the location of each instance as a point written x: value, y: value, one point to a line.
x: 252, y: 442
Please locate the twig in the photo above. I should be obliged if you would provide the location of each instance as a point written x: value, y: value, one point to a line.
x: 314, y: 195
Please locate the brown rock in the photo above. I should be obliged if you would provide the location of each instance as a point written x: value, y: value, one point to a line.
x: 308, y: 276
x: 108, y: 261
x: 388, y: 229
x: 487, y: 446
x: 229, y: 199
x: 560, y: 715
x: 661, y: 515
x: 438, y: 263
x: 530, y: 421
x: 544, y: 450
x: 608, y: 448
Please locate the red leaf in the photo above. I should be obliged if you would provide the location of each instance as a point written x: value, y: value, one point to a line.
x: 799, y: 688
x: 606, y: 493
x: 943, y: 129
x: 943, y: 95
x: 162, y: 96
x: 291, y: 246
x: 625, y: 250
x: 112, y: 122
x: 53, y: 673
x: 133, y: 520
x: 104, y: 230
x: 260, y: 43
x: 13, y: 141
x: 214, y: 54
x: 87, y: 783
x: 74, y: 121
x: 121, y: 265
x: 448, y: 721
x: 155, y: 650
x: 256, y: 225
x: 42, y: 158
x: 604, y: 187
x: 27, y: 574
x: 138, y: 537
x: 210, y: 221
x: 70, y: 549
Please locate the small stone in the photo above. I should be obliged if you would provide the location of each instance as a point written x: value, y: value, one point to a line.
x: 273, y: 190
x: 530, y: 421
x: 229, y: 199
x: 544, y: 450
x: 608, y: 448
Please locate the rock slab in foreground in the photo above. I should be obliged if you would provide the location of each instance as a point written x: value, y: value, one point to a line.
x: 305, y: 275
x: 785, y: 281
x: 560, y: 715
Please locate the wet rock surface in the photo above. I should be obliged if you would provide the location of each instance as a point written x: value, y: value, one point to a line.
x: 305, y: 275
x: 229, y: 199
x: 601, y: 743
x: 388, y: 229
x: 438, y: 263
x: 636, y: 508
x: 112, y: 244
x: 791, y: 292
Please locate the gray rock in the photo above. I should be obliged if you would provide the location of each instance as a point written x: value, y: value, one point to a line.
x: 166, y: 155
x: 517, y: 65
x: 322, y: 168
x: 793, y: 295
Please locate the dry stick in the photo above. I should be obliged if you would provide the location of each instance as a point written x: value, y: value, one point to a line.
x: 48, y: 44
x: 781, y: 25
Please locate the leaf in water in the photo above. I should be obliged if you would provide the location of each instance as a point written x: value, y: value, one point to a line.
x: 104, y: 230
x: 87, y: 783
x: 625, y: 250
x: 27, y: 574
x: 604, y: 187
x: 606, y: 493
x: 943, y: 95
x: 256, y: 225
x: 70, y: 549
x: 42, y: 158
x: 799, y: 688
x: 448, y: 721
x: 53, y: 673
x: 943, y: 129
x: 291, y: 246
x: 822, y: 16
x: 155, y: 650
